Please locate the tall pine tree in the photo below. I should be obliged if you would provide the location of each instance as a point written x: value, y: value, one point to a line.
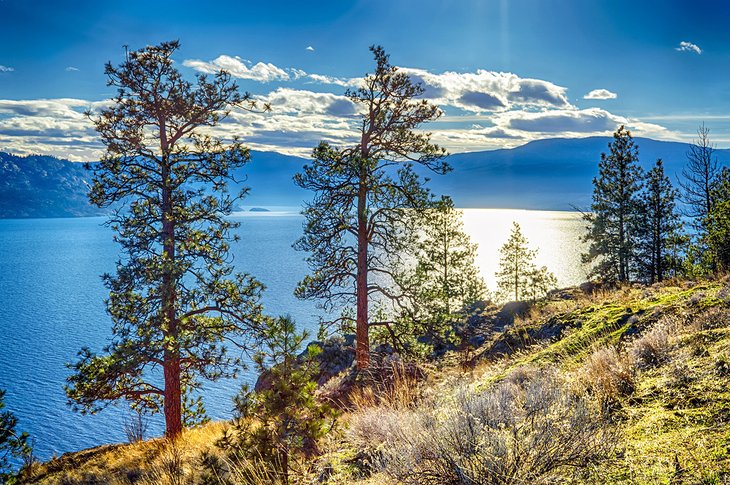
x: 659, y: 225
x: 354, y: 225
x: 174, y: 299
x: 615, y: 211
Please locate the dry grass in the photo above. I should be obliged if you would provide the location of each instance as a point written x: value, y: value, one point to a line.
x: 652, y: 347
x: 393, y: 385
x: 153, y: 461
x: 536, y: 415
x: 609, y: 376
x: 526, y: 429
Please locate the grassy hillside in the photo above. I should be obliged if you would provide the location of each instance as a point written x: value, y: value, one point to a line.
x: 624, y: 386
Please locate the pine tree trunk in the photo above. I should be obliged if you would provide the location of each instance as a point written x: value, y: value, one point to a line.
x: 362, y: 350
x: 173, y: 401
x: 171, y: 363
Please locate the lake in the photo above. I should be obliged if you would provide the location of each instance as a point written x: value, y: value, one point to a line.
x: 52, y: 301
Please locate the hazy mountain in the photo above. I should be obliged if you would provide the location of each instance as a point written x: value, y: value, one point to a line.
x: 546, y: 174
x: 43, y: 186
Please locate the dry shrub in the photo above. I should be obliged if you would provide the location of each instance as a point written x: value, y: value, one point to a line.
x: 135, y: 426
x: 524, y: 429
x: 608, y: 375
x: 394, y: 384
x: 651, y: 348
x: 170, y: 468
x: 712, y: 318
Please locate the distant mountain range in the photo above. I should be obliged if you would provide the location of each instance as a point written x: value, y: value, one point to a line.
x: 42, y: 186
x: 552, y: 174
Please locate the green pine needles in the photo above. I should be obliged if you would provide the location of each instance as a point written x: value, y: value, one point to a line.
x: 518, y: 277
x: 277, y: 428
x: 362, y: 193
x: 13, y: 444
x: 174, y: 300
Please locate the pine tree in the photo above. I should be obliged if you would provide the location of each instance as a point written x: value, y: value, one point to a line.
x: 518, y: 276
x: 13, y: 443
x: 659, y: 225
x: 718, y: 223
x: 615, y: 211
x: 445, y: 279
x: 539, y: 282
x: 174, y: 298
x: 281, y: 424
x: 354, y: 228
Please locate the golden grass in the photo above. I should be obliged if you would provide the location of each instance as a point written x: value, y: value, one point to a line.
x: 127, y: 463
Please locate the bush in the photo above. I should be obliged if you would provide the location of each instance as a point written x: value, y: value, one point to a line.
x: 712, y: 318
x: 524, y: 429
x: 652, y: 347
x: 609, y: 376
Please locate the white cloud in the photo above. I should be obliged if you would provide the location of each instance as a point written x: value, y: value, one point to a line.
x: 302, y: 102
x: 685, y: 46
x: 573, y: 122
x: 67, y: 108
x: 263, y: 72
x: 309, y: 48
x: 477, y: 92
x: 71, y: 69
x: 484, y: 110
x: 600, y: 94
x: 485, y: 91
x: 338, y: 81
x: 6, y: 68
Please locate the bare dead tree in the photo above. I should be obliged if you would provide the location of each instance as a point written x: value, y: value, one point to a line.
x: 698, y: 179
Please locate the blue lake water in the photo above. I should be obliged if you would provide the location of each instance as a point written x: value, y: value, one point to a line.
x: 52, y: 304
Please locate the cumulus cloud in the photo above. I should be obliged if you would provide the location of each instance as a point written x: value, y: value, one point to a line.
x: 66, y: 108
x: 483, y: 90
x: 685, y: 46
x: 600, y: 94
x: 574, y: 122
x: 302, y: 102
x: 484, y: 101
x: 6, y: 68
x: 237, y: 67
x: 483, y: 110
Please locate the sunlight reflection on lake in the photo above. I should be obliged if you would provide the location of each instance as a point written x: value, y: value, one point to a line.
x: 556, y: 234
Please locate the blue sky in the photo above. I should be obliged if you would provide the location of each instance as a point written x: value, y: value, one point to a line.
x: 504, y: 72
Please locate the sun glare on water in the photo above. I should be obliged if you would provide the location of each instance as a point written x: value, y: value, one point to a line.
x: 556, y: 235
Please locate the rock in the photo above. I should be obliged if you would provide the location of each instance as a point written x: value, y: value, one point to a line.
x: 589, y: 287
x: 338, y: 354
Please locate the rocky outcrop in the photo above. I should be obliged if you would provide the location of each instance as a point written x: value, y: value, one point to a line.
x: 337, y: 354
